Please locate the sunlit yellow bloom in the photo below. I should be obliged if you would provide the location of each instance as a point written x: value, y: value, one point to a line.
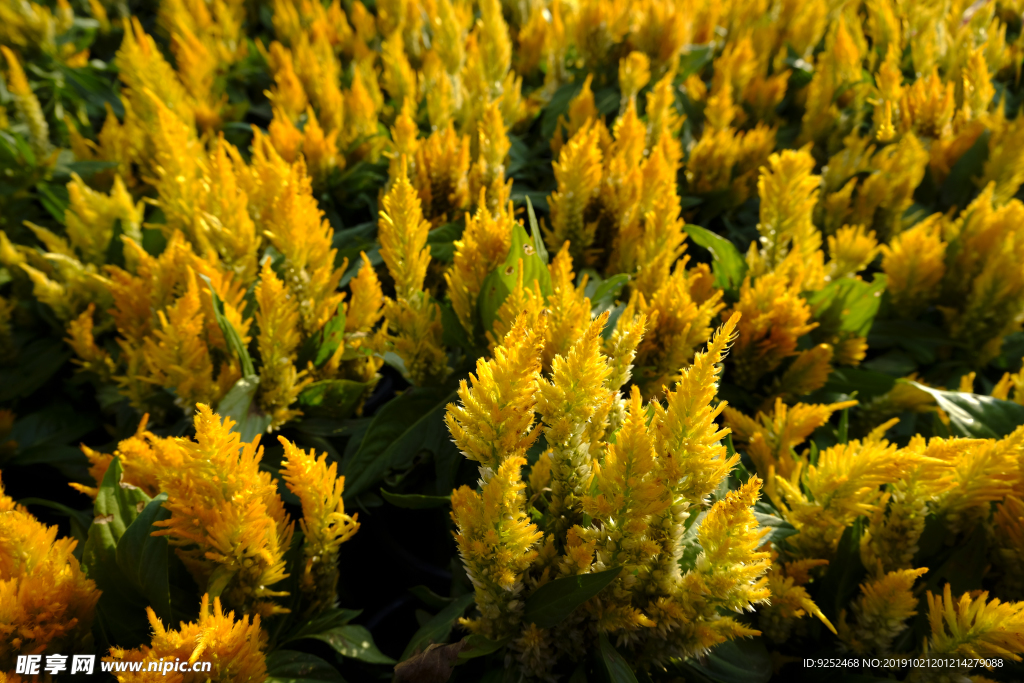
x: 227, y: 522
x: 881, y: 612
x: 914, y: 263
x: 33, y: 25
x: 279, y: 325
x: 496, y: 541
x: 325, y: 526
x: 790, y: 601
x: 46, y: 602
x: 413, y: 318
x: 771, y: 439
x: 578, y: 173
x: 488, y: 172
x: 233, y: 647
x: 983, y: 471
x: 495, y: 419
x: 442, y: 174
x: 975, y: 626
x: 27, y: 104
x: 775, y: 316
x: 850, y: 250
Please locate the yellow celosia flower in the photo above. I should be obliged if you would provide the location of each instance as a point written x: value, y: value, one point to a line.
x: 974, y: 626
x: 442, y: 174
x: 578, y: 173
x: 484, y: 244
x: 1008, y: 521
x: 771, y: 438
x: 495, y: 421
x: 227, y: 522
x: 496, y: 540
x: 325, y: 526
x: 914, y: 263
x: 279, y: 324
x: 983, y: 471
x: 850, y: 250
x: 233, y: 647
x: 412, y: 317
x: 575, y: 396
x: 28, y: 106
x: 881, y: 612
x: 46, y: 602
x: 775, y: 316
x: 488, y: 172
x: 142, y: 457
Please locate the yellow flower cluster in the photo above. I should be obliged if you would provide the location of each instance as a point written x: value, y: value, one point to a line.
x: 228, y: 523
x: 616, y: 488
x: 46, y: 602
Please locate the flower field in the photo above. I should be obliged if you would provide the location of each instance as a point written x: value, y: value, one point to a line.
x: 512, y: 340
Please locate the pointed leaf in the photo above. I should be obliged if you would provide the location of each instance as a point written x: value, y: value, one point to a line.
x: 240, y: 405
x: 353, y: 641
x: 288, y: 666
x: 234, y: 341
x: 412, y: 501
x: 143, y: 558
x: 976, y: 416
x: 728, y: 263
x: 332, y: 398
x: 554, y: 601
x: 439, y: 627
x: 613, y: 665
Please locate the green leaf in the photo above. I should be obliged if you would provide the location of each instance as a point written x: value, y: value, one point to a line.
x: 476, y: 645
x: 847, y: 305
x: 842, y: 580
x: 332, y: 336
x: 741, y: 660
x: 36, y: 362
x: 555, y: 600
x: 727, y: 262
x: 414, y: 501
x: 288, y: 666
x: 767, y: 519
x: 430, y: 598
x: 959, y: 184
x: 231, y: 337
x: 120, y: 613
x: 332, y: 398
x: 401, y: 428
x: 538, y: 240
x: 240, y: 405
x: 974, y: 415
x: 142, y: 557
x: 325, y: 621
x: 441, y: 241
x: 500, y: 282
x: 612, y: 664
x: 439, y: 627
x: 353, y: 641
x: 603, y: 294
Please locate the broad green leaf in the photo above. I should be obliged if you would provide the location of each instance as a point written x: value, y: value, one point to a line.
x: 847, y: 305
x: 554, y: 601
x: 354, y: 641
x: 36, y: 362
x: 603, y: 294
x: 778, y: 528
x: 612, y: 665
x: 728, y: 264
x: 741, y: 660
x: 430, y: 598
x: 865, y: 383
x: 328, y: 619
x: 500, y: 282
x: 120, y: 612
x: 844, y: 575
x: 401, y: 428
x: 142, y: 557
x: 240, y: 405
x: 439, y: 627
x: 476, y: 645
x: 234, y: 341
x: 441, y: 241
x: 974, y: 415
x: 289, y: 666
x: 332, y: 398
x: 959, y: 184
x: 414, y: 501
x: 332, y: 336
x: 538, y: 240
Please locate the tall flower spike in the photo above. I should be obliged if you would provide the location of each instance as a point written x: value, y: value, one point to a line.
x: 28, y: 106
x: 496, y: 540
x: 233, y: 647
x: 975, y: 626
x: 881, y: 612
x: 568, y: 403
x: 324, y: 523
x: 278, y: 321
x: 413, y: 318
x: 578, y: 173
x: 227, y: 522
x: 495, y: 419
